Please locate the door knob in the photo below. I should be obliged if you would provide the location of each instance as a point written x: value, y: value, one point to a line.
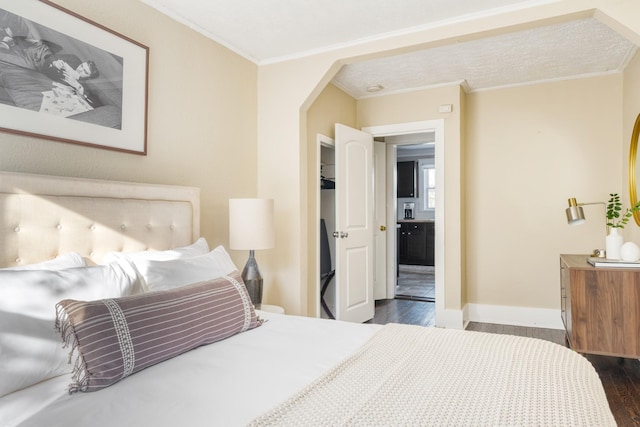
x: 343, y: 235
x: 336, y: 234
x: 383, y: 228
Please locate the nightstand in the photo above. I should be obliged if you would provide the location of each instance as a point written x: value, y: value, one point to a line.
x: 271, y: 308
x: 600, y: 307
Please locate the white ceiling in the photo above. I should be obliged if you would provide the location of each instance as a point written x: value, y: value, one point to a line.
x: 267, y: 31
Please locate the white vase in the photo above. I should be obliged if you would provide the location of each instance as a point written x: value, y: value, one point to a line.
x: 613, y: 243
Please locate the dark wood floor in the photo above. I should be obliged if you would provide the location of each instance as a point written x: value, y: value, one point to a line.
x: 404, y: 311
x: 416, y: 282
x: 620, y: 377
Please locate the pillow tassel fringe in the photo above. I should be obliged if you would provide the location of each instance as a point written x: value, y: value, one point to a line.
x: 79, y: 372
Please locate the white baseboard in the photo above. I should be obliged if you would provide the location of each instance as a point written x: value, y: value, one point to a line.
x: 451, y: 319
x: 517, y: 316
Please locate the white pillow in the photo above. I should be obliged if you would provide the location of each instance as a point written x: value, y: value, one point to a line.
x: 163, y: 275
x: 69, y: 260
x: 30, y: 349
x: 199, y: 247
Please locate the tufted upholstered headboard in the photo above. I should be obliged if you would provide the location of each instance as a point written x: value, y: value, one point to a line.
x: 43, y: 216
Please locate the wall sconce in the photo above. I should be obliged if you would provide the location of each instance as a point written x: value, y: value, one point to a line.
x: 575, y: 216
x: 251, y: 228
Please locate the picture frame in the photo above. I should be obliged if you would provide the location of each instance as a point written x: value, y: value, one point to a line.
x: 66, y: 78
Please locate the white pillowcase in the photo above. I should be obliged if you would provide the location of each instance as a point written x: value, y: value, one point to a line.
x: 163, y: 275
x: 30, y: 350
x: 199, y: 247
x: 69, y: 260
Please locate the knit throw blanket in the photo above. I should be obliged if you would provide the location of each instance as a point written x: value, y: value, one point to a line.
x: 416, y: 376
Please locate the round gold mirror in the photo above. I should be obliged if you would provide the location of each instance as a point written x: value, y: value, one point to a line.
x: 633, y: 171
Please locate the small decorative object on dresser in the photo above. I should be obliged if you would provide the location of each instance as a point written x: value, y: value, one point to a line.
x: 612, y: 263
x: 615, y: 221
x: 630, y: 252
x: 612, y: 243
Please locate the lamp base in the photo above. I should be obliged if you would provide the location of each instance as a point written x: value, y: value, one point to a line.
x: 253, y: 280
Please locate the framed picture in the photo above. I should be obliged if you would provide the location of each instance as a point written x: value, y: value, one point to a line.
x: 69, y: 79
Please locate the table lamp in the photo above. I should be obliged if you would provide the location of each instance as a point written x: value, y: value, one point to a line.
x: 251, y: 228
x: 575, y: 216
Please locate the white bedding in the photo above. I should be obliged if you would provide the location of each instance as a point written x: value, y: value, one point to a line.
x: 227, y: 383
x: 235, y: 381
x: 223, y: 384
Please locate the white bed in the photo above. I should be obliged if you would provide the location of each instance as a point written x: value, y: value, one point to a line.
x: 339, y: 373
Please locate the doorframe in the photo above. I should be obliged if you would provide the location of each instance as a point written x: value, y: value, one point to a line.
x: 436, y: 126
x: 321, y: 141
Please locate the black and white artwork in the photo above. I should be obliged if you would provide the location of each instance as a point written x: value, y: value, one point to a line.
x: 65, y: 78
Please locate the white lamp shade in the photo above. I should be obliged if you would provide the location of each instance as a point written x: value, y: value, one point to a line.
x: 251, y: 224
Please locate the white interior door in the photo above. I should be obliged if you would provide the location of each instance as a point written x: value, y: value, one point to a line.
x: 354, y: 225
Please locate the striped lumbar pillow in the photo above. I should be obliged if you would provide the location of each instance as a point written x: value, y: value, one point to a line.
x: 114, y: 338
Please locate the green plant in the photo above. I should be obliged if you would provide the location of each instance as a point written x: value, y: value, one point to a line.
x: 615, y: 217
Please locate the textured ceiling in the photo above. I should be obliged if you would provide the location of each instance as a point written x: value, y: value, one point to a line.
x: 266, y: 31
x: 569, y: 50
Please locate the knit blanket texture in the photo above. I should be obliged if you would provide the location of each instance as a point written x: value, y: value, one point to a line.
x: 418, y: 376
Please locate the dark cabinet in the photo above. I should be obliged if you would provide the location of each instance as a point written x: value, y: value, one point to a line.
x: 431, y: 243
x: 416, y: 243
x: 416, y: 238
x: 407, y: 179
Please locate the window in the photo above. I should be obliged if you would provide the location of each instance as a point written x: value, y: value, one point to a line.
x: 429, y: 187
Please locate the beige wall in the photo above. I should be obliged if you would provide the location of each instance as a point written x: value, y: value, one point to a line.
x: 286, y: 90
x: 520, y: 153
x: 332, y: 106
x: 528, y: 150
x: 202, y: 119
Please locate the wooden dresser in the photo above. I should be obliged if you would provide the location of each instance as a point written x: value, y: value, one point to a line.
x: 600, y: 307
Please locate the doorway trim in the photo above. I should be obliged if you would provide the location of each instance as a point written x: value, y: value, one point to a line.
x: 321, y: 141
x: 436, y: 126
